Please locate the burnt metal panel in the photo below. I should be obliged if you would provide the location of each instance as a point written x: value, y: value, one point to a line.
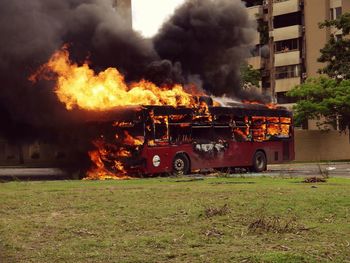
x: 169, y: 110
x: 129, y: 113
x: 250, y: 111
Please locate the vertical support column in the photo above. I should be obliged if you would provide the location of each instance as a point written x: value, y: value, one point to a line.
x: 272, y: 52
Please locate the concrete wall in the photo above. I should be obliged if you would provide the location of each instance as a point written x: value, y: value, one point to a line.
x: 33, y: 154
x: 319, y: 145
x: 346, y: 5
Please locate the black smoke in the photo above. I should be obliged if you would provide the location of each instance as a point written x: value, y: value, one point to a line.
x: 210, y: 39
x: 30, y: 31
x: 205, y: 40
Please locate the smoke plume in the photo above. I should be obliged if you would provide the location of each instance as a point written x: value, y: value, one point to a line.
x: 209, y: 38
x: 204, y: 40
x: 30, y: 31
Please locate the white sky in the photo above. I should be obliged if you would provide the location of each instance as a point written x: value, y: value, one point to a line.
x: 148, y: 15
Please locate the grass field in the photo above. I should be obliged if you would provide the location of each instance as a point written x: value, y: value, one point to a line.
x: 176, y: 220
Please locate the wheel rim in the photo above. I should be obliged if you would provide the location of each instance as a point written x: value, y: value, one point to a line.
x: 260, y: 162
x: 179, y: 165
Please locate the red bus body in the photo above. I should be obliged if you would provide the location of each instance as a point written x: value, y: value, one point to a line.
x: 211, y: 150
x: 238, y: 154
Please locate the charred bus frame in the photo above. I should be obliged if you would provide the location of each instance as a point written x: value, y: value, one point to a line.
x: 164, y: 139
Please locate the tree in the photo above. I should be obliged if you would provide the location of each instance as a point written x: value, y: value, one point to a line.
x: 327, y: 99
x: 250, y: 76
x: 323, y: 98
x: 336, y: 53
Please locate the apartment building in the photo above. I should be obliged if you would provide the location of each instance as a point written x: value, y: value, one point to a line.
x: 297, y: 40
x: 123, y: 7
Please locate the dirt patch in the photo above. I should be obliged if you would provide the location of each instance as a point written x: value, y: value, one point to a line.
x: 213, y: 233
x: 216, y: 211
x: 315, y: 179
x: 276, y: 224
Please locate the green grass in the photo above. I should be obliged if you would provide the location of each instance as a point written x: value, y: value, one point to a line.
x: 174, y: 220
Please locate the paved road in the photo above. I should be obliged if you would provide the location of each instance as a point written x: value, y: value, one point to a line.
x: 295, y: 169
x: 312, y: 169
x: 13, y: 173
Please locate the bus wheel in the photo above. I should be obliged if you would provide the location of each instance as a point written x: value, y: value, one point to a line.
x: 181, y: 164
x: 259, y: 162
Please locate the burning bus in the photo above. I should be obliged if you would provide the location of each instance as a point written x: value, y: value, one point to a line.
x: 165, y: 139
x: 175, y: 131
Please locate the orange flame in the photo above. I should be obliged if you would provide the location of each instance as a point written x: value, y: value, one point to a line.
x: 129, y: 140
x: 79, y: 86
x: 268, y: 105
x: 100, y: 172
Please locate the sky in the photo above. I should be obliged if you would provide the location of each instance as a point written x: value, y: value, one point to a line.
x: 148, y: 15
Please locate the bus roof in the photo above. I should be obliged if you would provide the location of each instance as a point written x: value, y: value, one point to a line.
x: 235, y: 110
x: 132, y: 113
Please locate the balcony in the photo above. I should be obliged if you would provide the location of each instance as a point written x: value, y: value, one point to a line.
x: 335, y: 3
x: 286, y: 84
x: 286, y: 7
x: 287, y: 58
x: 289, y: 32
x: 255, y: 62
x: 255, y: 12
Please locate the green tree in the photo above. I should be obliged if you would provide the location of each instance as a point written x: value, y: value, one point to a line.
x: 249, y: 75
x: 323, y: 99
x: 327, y: 99
x: 336, y: 53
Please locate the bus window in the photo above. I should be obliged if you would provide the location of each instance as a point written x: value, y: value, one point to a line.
x: 286, y: 127
x: 177, y: 119
x: 273, y: 127
x: 285, y: 130
x: 180, y: 128
x: 222, y: 133
x: 258, y: 127
x: 179, y: 133
x: 222, y: 119
x: 161, y: 133
x: 202, y: 133
x: 129, y: 134
x: 286, y: 120
x: 241, y: 129
x: 278, y: 128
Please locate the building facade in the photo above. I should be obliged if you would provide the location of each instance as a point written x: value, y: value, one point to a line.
x: 297, y: 40
x: 294, y: 37
x: 123, y: 7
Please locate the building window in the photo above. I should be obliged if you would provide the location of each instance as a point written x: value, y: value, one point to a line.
x: 287, y: 72
x: 250, y: 3
x: 335, y: 13
x: 286, y: 20
x: 338, y: 12
x: 338, y: 37
x: 282, y: 98
x: 286, y: 45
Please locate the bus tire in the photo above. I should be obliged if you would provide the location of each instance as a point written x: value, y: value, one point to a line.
x: 259, y: 162
x: 181, y: 164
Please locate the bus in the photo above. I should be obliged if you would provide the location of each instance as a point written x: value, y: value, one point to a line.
x: 148, y: 140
